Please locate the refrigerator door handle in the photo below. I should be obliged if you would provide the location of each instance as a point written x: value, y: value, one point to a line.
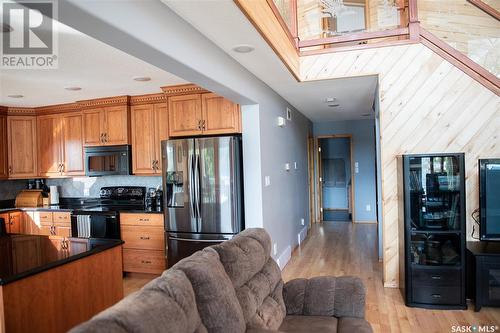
x: 191, y: 185
x: 197, y: 191
x: 198, y: 240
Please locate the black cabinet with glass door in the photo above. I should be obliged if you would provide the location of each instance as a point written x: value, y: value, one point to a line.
x: 433, y: 230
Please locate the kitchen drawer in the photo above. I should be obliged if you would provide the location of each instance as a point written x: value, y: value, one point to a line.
x: 436, y: 277
x: 143, y: 237
x: 45, y: 217
x: 62, y: 217
x: 142, y: 219
x: 437, y: 295
x: 143, y: 261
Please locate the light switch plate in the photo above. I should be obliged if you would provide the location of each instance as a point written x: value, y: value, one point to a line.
x: 281, y: 122
x: 368, y: 208
x: 275, y: 249
x: 295, y: 165
x: 267, y: 180
x: 287, y: 166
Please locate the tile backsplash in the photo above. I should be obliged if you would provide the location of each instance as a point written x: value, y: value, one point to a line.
x: 10, y: 188
x: 90, y: 186
x: 78, y: 186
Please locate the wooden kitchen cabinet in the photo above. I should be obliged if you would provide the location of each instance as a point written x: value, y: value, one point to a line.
x: 202, y: 114
x: 149, y: 128
x: 4, y: 164
x: 13, y: 222
x: 55, y: 224
x: 60, y: 140
x: 220, y: 115
x: 22, y: 151
x: 144, y: 243
x: 107, y: 126
x: 185, y: 115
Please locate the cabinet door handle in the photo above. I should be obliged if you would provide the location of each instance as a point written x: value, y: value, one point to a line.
x: 436, y: 277
x: 436, y: 295
x: 203, y: 125
x: 145, y: 261
x: 102, y: 138
x: 10, y: 169
x: 199, y: 124
x: 105, y: 137
x: 144, y: 238
x: 62, y: 167
x: 144, y: 220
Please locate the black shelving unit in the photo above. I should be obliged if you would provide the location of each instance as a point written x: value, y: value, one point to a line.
x: 433, y: 187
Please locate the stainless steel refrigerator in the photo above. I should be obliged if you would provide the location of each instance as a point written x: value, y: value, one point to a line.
x: 202, y: 193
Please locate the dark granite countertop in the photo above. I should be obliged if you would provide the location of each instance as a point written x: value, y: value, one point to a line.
x: 26, y: 255
x: 70, y: 209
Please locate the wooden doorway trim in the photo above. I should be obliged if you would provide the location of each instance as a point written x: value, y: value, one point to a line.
x: 319, y: 188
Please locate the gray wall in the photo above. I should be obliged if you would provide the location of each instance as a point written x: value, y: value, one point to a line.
x: 89, y: 186
x: 188, y: 54
x: 363, y: 140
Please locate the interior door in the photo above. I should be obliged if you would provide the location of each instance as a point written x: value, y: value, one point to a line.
x: 178, y: 185
x: 216, y: 165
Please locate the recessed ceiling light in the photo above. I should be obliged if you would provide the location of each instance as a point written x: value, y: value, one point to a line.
x: 142, y: 78
x: 15, y: 96
x: 243, y: 48
x: 6, y: 28
x: 73, y: 88
x: 330, y: 99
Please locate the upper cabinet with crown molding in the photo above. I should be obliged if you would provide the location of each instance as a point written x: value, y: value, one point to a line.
x: 106, y: 125
x: 60, y: 145
x: 149, y: 127
x: 21, y: 141
x: 202, y: 114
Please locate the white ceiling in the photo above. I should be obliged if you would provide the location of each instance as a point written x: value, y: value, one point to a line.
x: 227, y: 26
x: 99, y: 69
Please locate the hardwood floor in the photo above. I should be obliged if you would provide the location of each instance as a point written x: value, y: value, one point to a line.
x: 339, y: 248
x: 336, y: 248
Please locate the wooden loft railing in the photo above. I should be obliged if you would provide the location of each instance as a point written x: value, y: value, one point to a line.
x: 486, y: 8
x: 284, y: 37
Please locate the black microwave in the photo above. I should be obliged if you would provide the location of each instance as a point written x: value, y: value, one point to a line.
x: 108, y: 160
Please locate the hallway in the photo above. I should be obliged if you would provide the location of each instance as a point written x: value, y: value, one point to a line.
x: 351, y: 249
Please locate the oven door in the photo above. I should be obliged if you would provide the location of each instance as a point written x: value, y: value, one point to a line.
x: 108, y: 160
x: 95, y: 225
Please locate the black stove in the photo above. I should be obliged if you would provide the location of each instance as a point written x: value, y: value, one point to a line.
x: 101, y: 219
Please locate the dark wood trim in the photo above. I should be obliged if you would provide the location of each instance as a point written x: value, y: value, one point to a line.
x: 281, y: 21
x: 183, y: 89
x: 354, y: 37
x: 359, y: 47
x: 103, y: 102
x: 461, y: 61
x: 295, y: 23
x: 486, y: 8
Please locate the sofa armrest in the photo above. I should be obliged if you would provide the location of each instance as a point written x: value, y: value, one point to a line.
x: 325, y: 296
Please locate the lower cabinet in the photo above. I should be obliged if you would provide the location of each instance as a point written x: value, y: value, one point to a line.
x: 144, y: 243
x: 13, y: 222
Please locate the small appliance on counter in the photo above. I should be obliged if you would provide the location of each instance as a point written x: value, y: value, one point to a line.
x: 54, y: 195
x: 29, y: 198
x: 154, y: 200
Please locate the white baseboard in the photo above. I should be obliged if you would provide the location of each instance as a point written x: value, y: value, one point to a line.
x: 302, y: 235
x: 284, y: 257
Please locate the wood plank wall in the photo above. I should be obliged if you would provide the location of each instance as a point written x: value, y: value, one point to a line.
x: 426, y: 105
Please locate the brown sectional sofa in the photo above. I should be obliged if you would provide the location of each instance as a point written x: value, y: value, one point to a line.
x: 236, y: 287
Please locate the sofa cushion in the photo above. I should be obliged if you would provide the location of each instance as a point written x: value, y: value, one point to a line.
x: 306, y: 324
x: 352, y: 324
x: 216, y: 299
x: 256, y: 278
x: 166, y: 304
